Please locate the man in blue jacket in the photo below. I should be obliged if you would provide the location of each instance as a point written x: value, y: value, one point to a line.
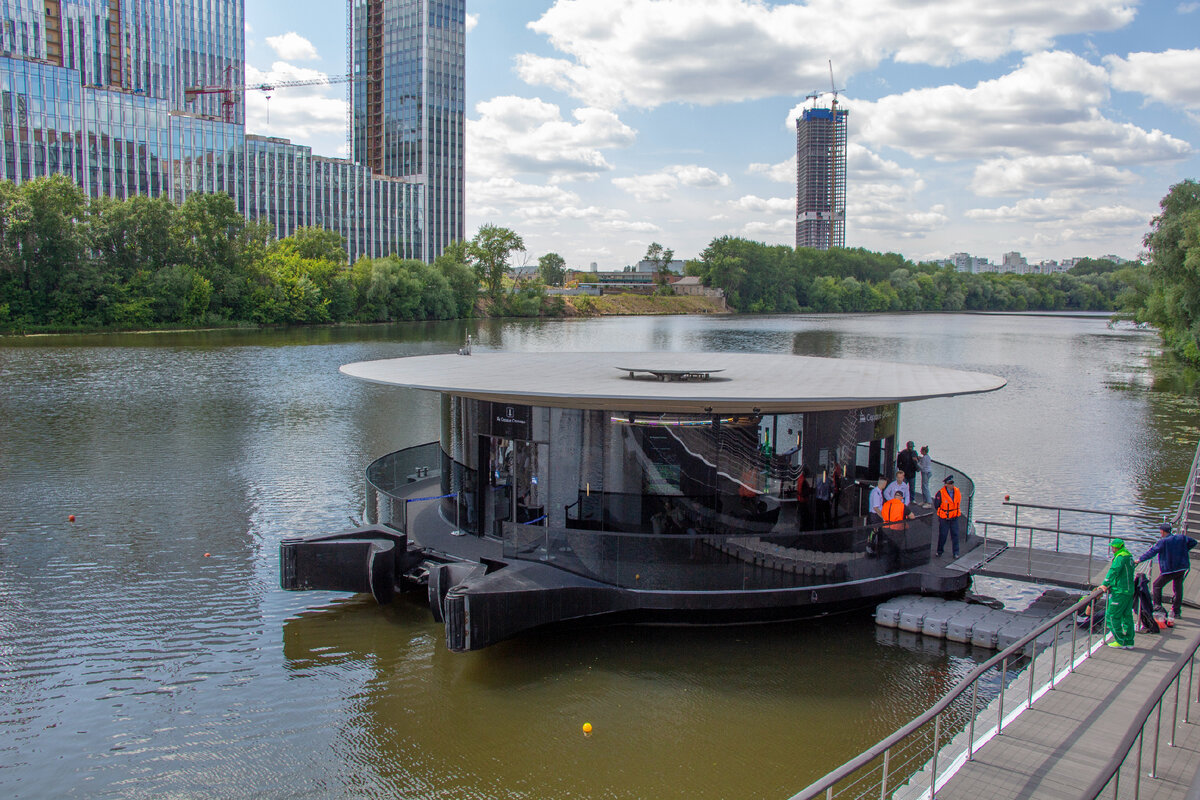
x: 1173, y: 565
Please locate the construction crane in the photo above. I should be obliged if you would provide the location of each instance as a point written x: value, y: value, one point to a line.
x: 232, y: 94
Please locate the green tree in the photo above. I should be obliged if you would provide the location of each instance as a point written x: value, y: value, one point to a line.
x: 552, y: 269
x: 455, y: 265
x: 220, y: 245
x: 489, y: 252
x: 661, y: 258
x: 49, y: 250
x: 1174, y: 245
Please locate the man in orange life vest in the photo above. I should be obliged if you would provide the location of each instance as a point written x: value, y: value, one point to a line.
x: 948, y: 502
x: 893, y: 515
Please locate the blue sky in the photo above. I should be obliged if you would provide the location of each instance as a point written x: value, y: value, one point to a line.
x: 596, y: 127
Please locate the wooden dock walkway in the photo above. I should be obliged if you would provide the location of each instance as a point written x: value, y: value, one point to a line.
x: 1058, y: 746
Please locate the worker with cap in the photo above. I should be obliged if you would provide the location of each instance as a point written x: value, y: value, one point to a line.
x: 948, y: 502
x: 1118, y: 614
x: 1173, y: 565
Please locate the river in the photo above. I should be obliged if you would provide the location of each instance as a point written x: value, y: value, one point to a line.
x: 147, y: 651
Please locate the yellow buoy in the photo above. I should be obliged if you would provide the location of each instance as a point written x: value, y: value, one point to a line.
x: 587, y: 727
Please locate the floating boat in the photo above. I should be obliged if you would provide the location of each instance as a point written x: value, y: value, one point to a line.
x: 572, y: 488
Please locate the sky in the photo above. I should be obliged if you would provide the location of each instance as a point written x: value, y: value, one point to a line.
x: 597, y: 127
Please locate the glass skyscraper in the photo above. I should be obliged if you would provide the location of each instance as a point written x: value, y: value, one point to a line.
x: 408, y: 104
x: 97, y: 90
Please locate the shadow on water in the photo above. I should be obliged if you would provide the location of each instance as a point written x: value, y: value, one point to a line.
x: 674, y: 708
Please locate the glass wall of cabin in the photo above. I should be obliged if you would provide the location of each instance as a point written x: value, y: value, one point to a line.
x: 651, y: 473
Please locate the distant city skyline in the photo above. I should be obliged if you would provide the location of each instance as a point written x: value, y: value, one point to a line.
x: 595, y: 128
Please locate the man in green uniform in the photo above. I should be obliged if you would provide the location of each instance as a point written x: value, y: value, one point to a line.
x: 1118, y: 614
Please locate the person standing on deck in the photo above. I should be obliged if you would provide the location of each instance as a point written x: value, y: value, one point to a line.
x: 925, y: 465
x: 949, y: 509
x: 823, y: 496
x: 899, y: 485
x: 906, y: 462
x: 1173, y: 565
x: 1118, y: 614
x: 875, y: 514
x: 804, y: 501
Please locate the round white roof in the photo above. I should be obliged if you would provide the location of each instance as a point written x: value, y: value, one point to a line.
x: 735, y: 381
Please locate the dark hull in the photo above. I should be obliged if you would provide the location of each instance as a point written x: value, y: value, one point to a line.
x: 485, y: 601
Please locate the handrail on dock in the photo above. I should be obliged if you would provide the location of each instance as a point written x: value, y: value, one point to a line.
x: 933, y: 715
x: 1189, y: 490
x: 1058, y: 533
x: 1111, y: 774
x: 1016, y: 506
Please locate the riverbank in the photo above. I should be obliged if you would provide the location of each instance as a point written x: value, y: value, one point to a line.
x: 618, y: 305
x: 609, y: 305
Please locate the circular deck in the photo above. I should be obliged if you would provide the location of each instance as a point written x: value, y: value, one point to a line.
x: 758, y: 382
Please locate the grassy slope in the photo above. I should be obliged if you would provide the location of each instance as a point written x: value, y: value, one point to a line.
x: 618, y: 304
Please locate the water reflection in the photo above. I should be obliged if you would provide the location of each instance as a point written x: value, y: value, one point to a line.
x: 674, y: 710
x: 133, y: 664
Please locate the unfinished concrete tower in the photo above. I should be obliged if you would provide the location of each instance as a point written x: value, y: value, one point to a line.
x: 821, y: 178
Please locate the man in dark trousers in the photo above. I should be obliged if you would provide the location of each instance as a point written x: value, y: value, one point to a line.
x: 1173, y: 565
x: 948, y: 502
x: 907, y: 462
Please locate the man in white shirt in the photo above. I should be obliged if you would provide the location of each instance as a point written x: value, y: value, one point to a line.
x: 898, y: 485
x: 875, y: 500
x: 875, y: 515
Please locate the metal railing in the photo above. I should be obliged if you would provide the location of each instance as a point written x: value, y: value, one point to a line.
x: 1058, y: 532
x: 1112, y: 516
x: 1188, y: 491
x: 919, y: 743
x: 1111, y: 774
x: 386, y: 475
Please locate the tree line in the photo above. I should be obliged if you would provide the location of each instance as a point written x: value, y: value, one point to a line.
x: 67, y: 262
x: 762, y: 278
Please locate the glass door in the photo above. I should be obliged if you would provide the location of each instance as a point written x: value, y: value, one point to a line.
x: 497, y: 495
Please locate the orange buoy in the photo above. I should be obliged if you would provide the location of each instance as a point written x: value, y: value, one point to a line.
x: 208, y: 555
x: 71, y: 518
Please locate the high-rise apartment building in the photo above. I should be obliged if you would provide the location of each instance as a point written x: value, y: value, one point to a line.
x: 133, y: 97
x: 409, y: 103
x: 821, y: 178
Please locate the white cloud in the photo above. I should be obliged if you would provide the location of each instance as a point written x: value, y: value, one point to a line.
x: 514, y: 135
x: 291, y: 46
x: 299, y: 112
x: 1048, y: 106
x: 1169, y: 77
x: 498, y: 190
x: 472, y: 21
x: 1187, y: 8
x: 1073, y: 209
x: 767, y: 205
x: 998, y: 177
x: 649, y: 52
x: 783, y: 172
x: 780, y: 228
x: 665, y: 184
x: 893, y: 223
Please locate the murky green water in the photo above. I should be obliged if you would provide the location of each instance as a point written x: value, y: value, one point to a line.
x: 146, y: 651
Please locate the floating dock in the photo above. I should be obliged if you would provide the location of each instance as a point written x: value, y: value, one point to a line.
x: 974, y: 623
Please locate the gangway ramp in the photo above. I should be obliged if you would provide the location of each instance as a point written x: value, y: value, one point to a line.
x: 1069, y: 570
x: 1051, y: 556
